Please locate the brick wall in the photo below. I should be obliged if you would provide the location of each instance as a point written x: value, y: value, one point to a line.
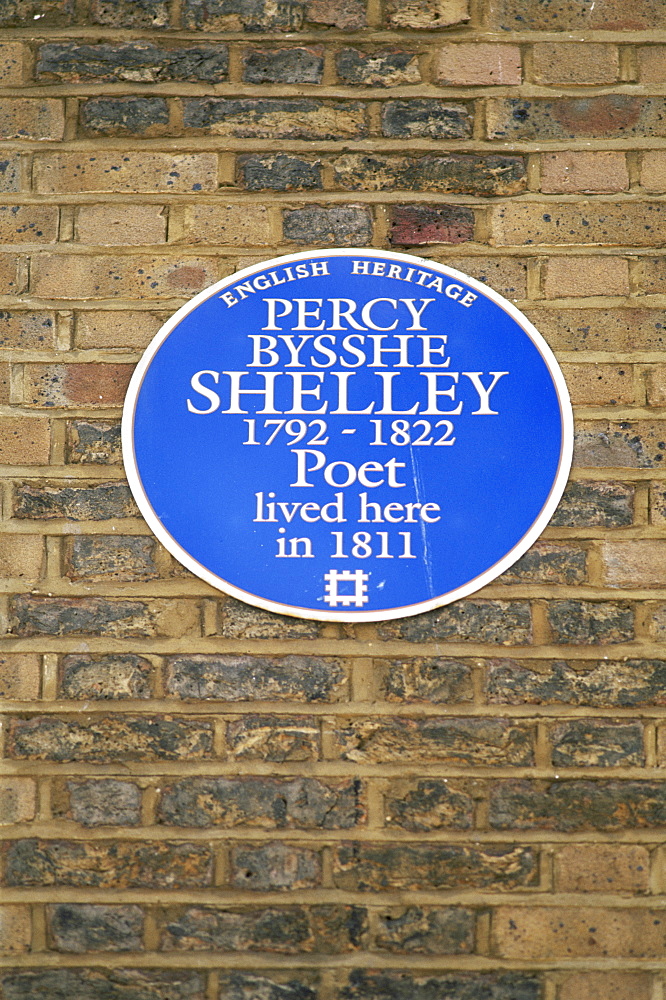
x: 204, y: 801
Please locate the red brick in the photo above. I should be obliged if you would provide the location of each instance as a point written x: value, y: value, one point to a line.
x: 478, y: 64
x: 76, y: 385
x: 415, y: 225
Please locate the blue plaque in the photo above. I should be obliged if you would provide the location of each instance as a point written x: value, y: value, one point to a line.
x: 350, y: 435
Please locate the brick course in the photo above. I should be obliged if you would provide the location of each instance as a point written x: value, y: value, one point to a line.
x: 201, y: 799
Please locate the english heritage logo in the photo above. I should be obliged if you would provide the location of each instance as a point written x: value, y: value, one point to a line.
x: 350, y: 435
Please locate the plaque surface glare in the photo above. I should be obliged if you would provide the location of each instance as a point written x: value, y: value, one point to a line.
x: 350, y: 435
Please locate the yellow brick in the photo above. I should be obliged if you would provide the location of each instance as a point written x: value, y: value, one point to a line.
x: 20, y: 676
x: 563, y: 63
x: 653, y: 170
x: 24, y: 441
x: 595, y: 384
x: 234, y: 225
x: 18, y: 800
x: 121, y: 225
x: 593, y: 172
x: 581, y: 276
x: 634, y: 564
x: 478, y: 64
x: 21, y: 556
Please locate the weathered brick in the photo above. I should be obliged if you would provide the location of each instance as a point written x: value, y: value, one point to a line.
x: 650, y: 275
x: 5, y: 379
x: 89, y: 443
x: 598, y: 743
x: 108, y: 171
x: 121, y: 225
x: 590, y: 622
x: 426, y: 15
x: 606, y: 986
x: 131, y: 13
x: 570, y: 15
x: 268, y: 803
x: 10, y: 172
x: 606, y: 224
x: 99, y: 802
x: 577, y: 805
x: 608, y: 683
x: 557, y: 62
x: 477, y: 64
x: 236, y: 15
x: 271, y: 866
x: 241, y: 621
x: 141, y: 62
x: 289, y: 984
x: 370, y: 984
x: 236, y: 225
x: 31, y: 331
x: 593, y: 172
x: 466, y: 621
x: 426, y: 930
x: 426, y: 119
x: 20, y: 675
x: 378, y: 68
x: 432, y: 679
x: 15, y: 929
x: 21, y: 556
x: 274, y: 737
x: 594, y: 504
x: 656, y: 385
x: 147, y: 116
x: 109, y: 738
x: 574, y: 276
x: 103, y: 984
x: 636, y: 444
x: 457, y: 173
x: 104, y: 616
x: 457, y: 742
x: 415, y: 225
x: 601, y: 329
x: 12, y: 61
x: 297, y: 65
x: 28, y: 118
x: 256, y: 678
x: 602, y: 868
x: 348, y: 15
x: 113, y: 277
x: 114, y: 675
x: 285, y: 930
x: 339, y: 225
x: 431, y: 804
x: 76, y: 385
x: 429, y: 867
x: 540, y: 933
x: 24, y: 441
x: 50, y: 13
x: 278, y: 172
x: 276, y: 118
x: 576, y: 118
x: 110, y: 557
x: 109, y: 864
x: 116, y: 329
x: 18, y: 800
x: 548, y: 562
x: 84, y: 927
x: 28, y: 224
x: 95, y: 502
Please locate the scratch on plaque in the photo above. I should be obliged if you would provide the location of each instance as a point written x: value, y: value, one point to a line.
x: 424, y: 535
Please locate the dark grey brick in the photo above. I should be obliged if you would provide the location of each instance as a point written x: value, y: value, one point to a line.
x: 364, y: 984
x: 116, y: 675
x: 102, y: 802
x: 301, y: 65
x: 125, y: 115
x: 339, y: 225
x: 81, y: 927
x: 256, y: 678
x: 267, y: 867
x: 102, y: 984
x: 426, y: 930
x: 134, y: 61
x: 86, y: 502
x: 426, y: 118
x: 468, y: 621
x: 278, y: 172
